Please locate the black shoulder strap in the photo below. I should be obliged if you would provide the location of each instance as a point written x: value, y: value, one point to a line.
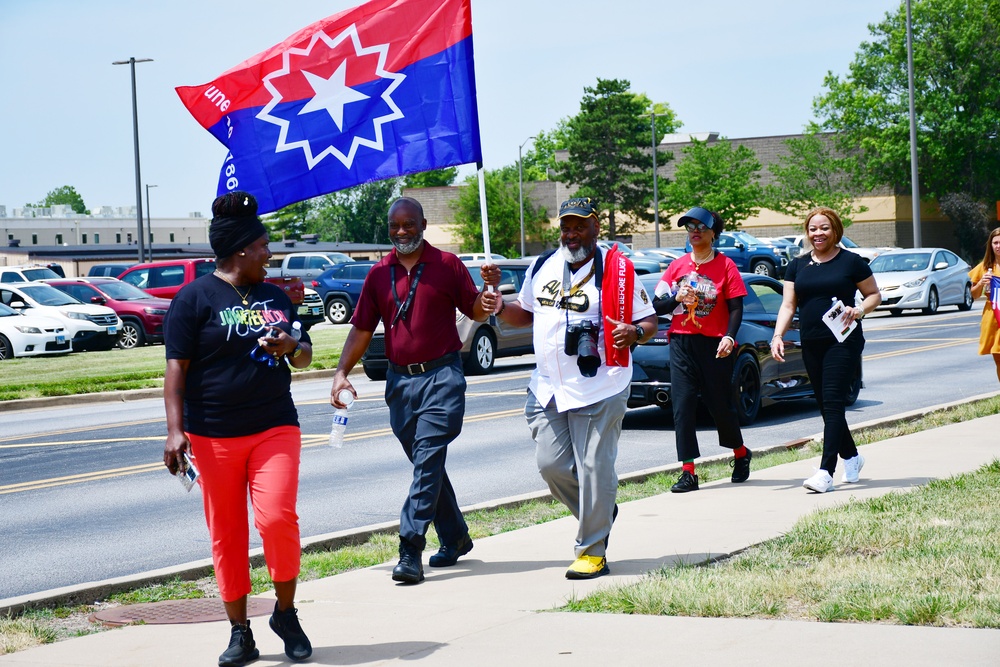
x: 599, y: 268
x: 538, y: 262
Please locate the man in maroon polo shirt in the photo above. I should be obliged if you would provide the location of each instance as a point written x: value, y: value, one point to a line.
x: 414, y: 291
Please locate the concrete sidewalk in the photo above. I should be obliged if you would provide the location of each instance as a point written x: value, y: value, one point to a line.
x: 493, y: 608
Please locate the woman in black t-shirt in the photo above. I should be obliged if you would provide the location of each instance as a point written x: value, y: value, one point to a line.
x: 814, y: 282
x: 229, y: 407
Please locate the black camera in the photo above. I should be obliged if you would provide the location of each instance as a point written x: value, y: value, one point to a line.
x: 581, y: 340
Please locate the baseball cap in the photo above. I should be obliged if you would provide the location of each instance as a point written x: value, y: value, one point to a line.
x: 698, y: 214
x: 580, y: 206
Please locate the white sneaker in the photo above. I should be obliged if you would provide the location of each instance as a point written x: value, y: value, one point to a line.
x: 852, y: 469
x: 820, y: 482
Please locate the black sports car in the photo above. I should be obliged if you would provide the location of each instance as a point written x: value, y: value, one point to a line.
x: 757, y: 378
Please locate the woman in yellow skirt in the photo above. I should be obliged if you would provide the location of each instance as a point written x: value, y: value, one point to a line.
x: 989, y: 332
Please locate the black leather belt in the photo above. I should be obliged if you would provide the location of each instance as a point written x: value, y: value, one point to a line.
x: 417, y: 369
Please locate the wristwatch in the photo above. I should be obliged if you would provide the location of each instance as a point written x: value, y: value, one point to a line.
x: 639, y: 332
x: 297, y: 351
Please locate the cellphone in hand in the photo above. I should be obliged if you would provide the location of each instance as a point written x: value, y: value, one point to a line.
x: 187, y: 473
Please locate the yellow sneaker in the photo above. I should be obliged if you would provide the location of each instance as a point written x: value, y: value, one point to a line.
x: 588, y: 567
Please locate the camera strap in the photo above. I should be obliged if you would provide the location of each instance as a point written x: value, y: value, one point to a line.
x: 596, y: 270
x: 403, y: 307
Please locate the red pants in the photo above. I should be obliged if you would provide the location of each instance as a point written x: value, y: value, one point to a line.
x: 267, y: 464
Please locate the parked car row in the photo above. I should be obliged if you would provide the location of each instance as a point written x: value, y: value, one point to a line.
x: 86, y: 326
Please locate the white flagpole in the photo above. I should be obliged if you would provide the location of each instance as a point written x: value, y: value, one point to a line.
x: 480, y: 172
x: 482, y: 212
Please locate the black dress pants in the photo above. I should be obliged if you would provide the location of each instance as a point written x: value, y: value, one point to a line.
x: 694, y: 370
x: 831, y: 366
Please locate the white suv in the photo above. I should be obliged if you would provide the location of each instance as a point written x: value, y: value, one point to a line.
x: 26, y: 273
x: 88, y: 326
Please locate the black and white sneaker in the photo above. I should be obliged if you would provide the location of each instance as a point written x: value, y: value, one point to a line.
x: 741, y: 468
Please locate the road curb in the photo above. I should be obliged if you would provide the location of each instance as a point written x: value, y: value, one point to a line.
x: 127, y: 395
x: 91, y: 592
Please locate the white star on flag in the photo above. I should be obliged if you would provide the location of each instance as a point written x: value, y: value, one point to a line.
x: 331, y: 94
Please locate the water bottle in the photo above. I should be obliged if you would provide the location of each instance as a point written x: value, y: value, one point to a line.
x: 297, y: 330
x: 340, y: 419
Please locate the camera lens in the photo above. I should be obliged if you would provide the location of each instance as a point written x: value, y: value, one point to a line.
x: 588, y: 359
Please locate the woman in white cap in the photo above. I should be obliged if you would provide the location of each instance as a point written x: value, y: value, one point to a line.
x: 704, y: 291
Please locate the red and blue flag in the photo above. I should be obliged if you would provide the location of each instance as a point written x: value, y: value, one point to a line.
x: 381, y: 90
x: 995, y: 297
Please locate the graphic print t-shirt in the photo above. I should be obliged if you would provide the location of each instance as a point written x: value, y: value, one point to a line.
x: 227, y: 394
x: 717, y: 281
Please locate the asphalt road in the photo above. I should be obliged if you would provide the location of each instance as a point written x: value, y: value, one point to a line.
x: 84, y: 496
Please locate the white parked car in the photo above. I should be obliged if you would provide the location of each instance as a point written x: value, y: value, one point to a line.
x: 88, y: 326
x: 924, y: 278
x: 30, y: 335
x: 868, y: 253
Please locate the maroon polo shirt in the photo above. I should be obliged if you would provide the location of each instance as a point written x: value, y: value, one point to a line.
x: 429, y: 330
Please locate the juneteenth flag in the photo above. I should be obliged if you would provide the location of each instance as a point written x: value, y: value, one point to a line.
x: 995, y: 297
x: 380, y: 90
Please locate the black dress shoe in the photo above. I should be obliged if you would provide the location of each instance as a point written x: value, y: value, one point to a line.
x: 409, y: 570
x: 448, y: 555
x: 687, y: 482
x: 741, y: 468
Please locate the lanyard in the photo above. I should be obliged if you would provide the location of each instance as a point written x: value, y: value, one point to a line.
x: 596, y: 270
x: 403, y: 307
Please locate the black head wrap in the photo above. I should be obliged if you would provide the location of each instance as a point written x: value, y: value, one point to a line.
x: 235, y: 224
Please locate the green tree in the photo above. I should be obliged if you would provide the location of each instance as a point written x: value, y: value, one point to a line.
x: 290, y: 221
x: 811, y: 175
x: 66, y: 194
x: 718, y: 177
x: 540, y: 158
x: 503, y: 212
x: 607, y: 156
x: 956, y: 61
x: 431, y: 179
x: 358, y: 214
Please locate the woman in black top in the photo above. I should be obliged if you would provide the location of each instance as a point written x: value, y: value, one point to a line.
x: 813, y: 283
x: 229, y: 407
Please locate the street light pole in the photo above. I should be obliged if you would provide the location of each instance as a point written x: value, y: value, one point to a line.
x: 656, y: 193
x: 149, y: 222
x: 135, y: 136
x: 520, y: 191
x: 914, y: 176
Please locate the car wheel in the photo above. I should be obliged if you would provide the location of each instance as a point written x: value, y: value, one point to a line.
x: 855, y: 387
x: 764, y: 268
x: 967, y: 300
x: 131, y: 335
x: 6, y: 350
x: 482, y: 354
x: 376, y: 374
x: 338, y: 311
x: 746, y: 385
x: 932, y: 302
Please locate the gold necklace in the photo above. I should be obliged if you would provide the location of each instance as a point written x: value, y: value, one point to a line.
x: 242, y: 298
x: 698, y: 263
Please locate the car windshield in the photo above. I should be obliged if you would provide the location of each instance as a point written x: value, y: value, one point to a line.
x: 749, y: 239
x: 120, y: 291
x: 904, y: 261
x: 848, y: 243
x: 41, y: 273
x: 46, y: 295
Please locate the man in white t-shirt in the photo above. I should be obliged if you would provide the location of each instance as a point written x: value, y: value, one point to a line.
x: 587, y: 308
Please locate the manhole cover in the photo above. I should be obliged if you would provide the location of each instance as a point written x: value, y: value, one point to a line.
x: 200, y: 610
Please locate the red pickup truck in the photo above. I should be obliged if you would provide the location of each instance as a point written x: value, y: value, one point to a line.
x: 164, y: 279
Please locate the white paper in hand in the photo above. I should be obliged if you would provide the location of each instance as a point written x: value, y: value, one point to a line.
x: 832, y: 319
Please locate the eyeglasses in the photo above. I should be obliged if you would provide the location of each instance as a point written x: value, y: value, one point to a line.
x: 696, y: 226
x: 259, y: 355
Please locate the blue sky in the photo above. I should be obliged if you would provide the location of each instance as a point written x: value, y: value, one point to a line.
x: 736, y: 67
